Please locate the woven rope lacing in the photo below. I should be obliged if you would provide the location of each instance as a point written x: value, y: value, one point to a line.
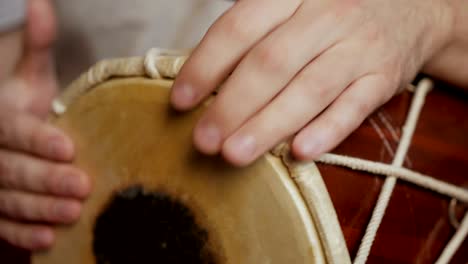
x: 394, y: 171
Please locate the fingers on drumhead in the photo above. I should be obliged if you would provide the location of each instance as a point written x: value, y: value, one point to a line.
x: 305, y: 97
x: 23, y: 132
x: 228, y: 40
x: 23, y: 206
x: 27, y: 236
x: 28, y: 173
x: 339, y: 120
x: 18, y: 210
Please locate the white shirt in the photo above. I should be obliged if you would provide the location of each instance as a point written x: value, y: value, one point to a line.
x: 91, y: 30
x: 12, y: 14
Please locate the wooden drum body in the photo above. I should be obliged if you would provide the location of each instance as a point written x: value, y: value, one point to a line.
x: 155, y: 199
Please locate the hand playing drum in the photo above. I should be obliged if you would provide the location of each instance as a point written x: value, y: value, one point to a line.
x: 38, y: 185
x: 293, y: 80
x: 157, y: 199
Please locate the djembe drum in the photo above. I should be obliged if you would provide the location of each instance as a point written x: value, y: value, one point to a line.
x: 156, y: 200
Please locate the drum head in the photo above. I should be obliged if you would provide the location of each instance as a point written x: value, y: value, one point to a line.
x: 155, y: 197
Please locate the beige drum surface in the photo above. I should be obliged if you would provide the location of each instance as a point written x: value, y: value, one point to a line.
x: 127, y: 135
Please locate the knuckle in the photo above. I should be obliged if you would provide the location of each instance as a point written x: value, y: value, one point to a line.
x: 363, y: 108
x: 271, y: 59
x: 235, y: 27
x: 10, y: 205
x: 7, y: 179
x: 38, y: 209
x: 63, y: 211
x: 53, y: 179
x: 20, y: 175
x: 323, y: 87
x: 343, y: 13
x: 345, y: 7
x: 3, y: 165
x: 37, y: 139
x: 372, y: 34
x: 5, y: 124
x: 48, y: 210
x: 336, y: 127
x: 388, y: 90
x: 3, y: 134
x: 317, y: 86
x: 4, y: 203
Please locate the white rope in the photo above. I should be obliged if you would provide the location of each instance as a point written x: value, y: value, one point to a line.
x: 389, y: 184
x: 416, y: 178
x: 458, y: 193
x: 395, y: 171
x: 453, y: 214
x: 155, y: 57
x: 58, y: 107
x: 150, y: 62
x: 455, y: 242
x: 157, y: 64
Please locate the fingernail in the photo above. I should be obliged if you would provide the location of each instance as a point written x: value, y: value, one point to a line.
x: 184, y: 95
x: 42, y: 7
x: 43, y: 238
x: 242, y: 148
x: 310, y: 148
x: 208, y: 138
x: 75, y: 185
x: 58, y: 148
x: 66, y: 211
x: 83, y: 186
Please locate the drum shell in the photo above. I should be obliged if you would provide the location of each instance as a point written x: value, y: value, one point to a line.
x: 416, y: 226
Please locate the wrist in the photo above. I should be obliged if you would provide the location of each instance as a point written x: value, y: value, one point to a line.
x: 460, y: 23
x: 450, y: 63
x: 444, y: 23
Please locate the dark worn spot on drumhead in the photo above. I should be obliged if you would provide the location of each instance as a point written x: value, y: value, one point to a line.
x: 149, y: 227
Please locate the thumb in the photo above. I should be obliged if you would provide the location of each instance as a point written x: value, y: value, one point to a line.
x: 36, y: 68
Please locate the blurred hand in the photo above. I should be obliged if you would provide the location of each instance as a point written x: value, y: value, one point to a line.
x: 312, y: 69
x: 38, y: 186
